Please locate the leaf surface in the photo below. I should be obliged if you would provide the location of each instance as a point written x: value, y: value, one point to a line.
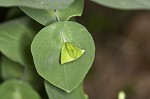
x: 15, y: 40
x: 125, y: 4
x: 56, y: 93
x: 46, y: 49
x: 47, y: 17
x: 13, y: 89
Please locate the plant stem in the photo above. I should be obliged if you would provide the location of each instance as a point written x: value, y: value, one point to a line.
x: 57, y: 17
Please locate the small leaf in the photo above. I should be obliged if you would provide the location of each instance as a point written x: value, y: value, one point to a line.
x: 46, y: 48
x: 14, y: 89
x: 46, y: 17
x: 70, y: 52
x: 56, y: 93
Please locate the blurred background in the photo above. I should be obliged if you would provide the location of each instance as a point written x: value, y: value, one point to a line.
x: 122, y: 59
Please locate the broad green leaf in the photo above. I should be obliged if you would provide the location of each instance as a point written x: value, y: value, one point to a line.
x: 46, y: 17
x: 15, y: 40
x: 75, y: 9
x: 125, y: 4
x: 46, y: 48
x: 70, y: 52
x: 56, y: 93
x: 10, y: 69
x: 14, y: 89
x: 39, y: 4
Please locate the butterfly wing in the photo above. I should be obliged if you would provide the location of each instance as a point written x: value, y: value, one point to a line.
x: 70, y: 52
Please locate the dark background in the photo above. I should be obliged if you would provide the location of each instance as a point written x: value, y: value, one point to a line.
x: 122, y: 59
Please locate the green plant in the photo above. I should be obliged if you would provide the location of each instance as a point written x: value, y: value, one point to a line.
x: 61, y: 56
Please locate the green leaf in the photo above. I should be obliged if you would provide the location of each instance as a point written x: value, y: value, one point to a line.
x: 14, y: 89
x: 10, y: 69
x: 13, y: 70
x: 125, y: 4
x: 75, y: 9
x: 70, y: 52
x: 46, y: 48
x: 56, y: 93
x: 46, y: 17
x: 39, y: 4
x: 15, y: 40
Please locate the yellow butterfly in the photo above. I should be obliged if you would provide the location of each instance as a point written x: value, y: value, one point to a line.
x: 70, y: 52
